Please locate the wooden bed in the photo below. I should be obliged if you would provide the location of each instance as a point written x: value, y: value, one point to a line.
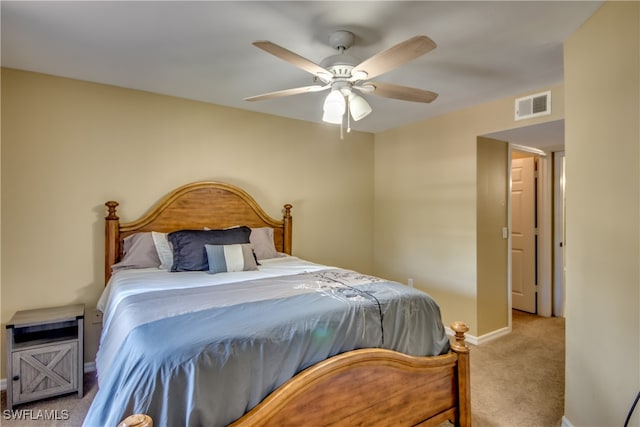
x: 362, y: 387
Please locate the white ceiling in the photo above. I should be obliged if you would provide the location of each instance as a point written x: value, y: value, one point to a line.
x: 545, y: 136
x: 202, y: 50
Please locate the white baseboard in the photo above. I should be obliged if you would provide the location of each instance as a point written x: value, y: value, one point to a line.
x: 472, y: 339
x: 566, y: 422
x: 88, y: 367
x: 493, y: 335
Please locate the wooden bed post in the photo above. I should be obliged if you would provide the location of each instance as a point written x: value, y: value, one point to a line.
x: 464, y: 377
x: 111, y: 239
x: 287, y: 229
x: 137, y: 420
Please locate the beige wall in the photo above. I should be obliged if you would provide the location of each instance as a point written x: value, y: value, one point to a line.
x: 492, y: 251
x: 425, y: 202
x: 68, y: 146
x: 602, y: 146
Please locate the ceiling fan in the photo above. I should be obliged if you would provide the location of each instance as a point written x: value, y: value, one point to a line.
x: 342, y: 73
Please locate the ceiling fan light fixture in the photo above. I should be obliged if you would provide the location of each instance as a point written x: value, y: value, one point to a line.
x: 334, y: 103
x: 335, y: 119
x: 358, y: 107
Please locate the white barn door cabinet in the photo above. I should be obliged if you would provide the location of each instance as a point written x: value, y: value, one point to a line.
x: 44, y: 353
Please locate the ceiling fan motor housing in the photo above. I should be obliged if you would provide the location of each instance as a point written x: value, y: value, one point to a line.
x: 341, y: 39
x: 341, y: 64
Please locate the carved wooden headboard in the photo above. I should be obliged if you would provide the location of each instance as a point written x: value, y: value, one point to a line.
x: 195, y: 206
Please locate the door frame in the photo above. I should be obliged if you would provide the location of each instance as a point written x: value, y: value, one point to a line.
x: 544, y: 202
x: 559, y: 243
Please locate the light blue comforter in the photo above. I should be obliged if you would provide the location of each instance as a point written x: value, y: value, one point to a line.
x: 228, y: 346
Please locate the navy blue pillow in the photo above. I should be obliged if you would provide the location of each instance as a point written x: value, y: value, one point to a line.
x: 189, y: 253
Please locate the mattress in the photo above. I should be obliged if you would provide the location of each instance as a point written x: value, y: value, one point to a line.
x: 199, y: 349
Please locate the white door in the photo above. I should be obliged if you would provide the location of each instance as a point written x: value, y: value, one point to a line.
x: 523, y: 237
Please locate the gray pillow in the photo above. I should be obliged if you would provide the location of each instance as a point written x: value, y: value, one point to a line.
x: 228, y: 258
x: 262, y: 243
x: 189, y: 253
x: 139, y: 252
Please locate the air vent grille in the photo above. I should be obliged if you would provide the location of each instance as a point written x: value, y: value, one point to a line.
x: 535, y: 105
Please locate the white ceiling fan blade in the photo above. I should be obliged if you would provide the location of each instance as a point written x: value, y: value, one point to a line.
x: 395, y: 56
x: 404, y: 93
x: 287, y: 92
x: 292, y: 58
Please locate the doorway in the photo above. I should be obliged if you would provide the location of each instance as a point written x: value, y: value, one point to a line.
x: 543, y: 141
x: 524, y: 231
x: 537, y: 276
x: 494, y: 227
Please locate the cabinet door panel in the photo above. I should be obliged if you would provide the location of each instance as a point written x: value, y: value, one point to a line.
x: 45, y: 371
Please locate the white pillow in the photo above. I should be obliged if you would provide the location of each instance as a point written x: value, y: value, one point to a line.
x: 164, y: 249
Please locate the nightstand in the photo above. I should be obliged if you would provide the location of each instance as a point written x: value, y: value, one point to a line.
x: 44, y: 353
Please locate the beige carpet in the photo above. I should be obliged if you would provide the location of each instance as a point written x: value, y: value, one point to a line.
x: 65, y: 411
x: 516, y: 381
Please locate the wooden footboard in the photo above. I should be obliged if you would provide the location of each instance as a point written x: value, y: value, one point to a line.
x: 369, y: 387
x: 373, y: 387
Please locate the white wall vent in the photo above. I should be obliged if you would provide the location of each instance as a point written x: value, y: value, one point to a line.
x: 535, y: 105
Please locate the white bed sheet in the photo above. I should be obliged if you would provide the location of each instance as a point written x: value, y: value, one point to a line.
x: 124, y: 283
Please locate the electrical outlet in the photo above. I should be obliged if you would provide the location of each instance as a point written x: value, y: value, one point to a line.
x: 96, y: 317
x: 410, y: 282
